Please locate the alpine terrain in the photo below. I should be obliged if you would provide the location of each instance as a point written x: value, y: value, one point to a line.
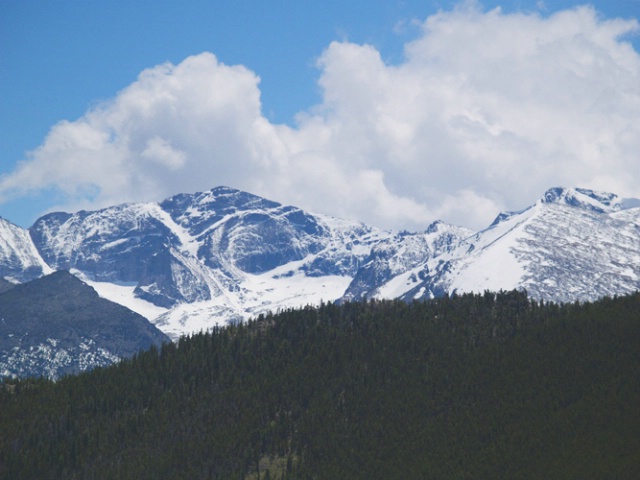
x: 57, y: 325
x: 198, y: 260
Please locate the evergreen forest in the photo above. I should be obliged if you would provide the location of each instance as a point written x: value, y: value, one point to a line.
x: 473, y: 386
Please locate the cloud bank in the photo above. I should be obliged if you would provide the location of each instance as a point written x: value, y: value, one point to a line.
x: 486, y: 111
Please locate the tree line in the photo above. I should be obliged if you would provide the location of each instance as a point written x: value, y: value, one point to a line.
x: 492, y: 385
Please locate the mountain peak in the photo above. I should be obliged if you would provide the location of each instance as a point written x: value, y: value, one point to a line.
x: 435, y: 226
x: 222, y: 200
x: 601, y: 202
x: 221, y: 190
x: 58, y: 281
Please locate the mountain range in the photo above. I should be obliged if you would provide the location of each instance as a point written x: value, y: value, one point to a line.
x: 197, y: 260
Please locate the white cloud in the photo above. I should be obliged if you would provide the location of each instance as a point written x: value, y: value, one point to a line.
x: 486, y: 111
x: 176, y: 128
x: 161, y: 151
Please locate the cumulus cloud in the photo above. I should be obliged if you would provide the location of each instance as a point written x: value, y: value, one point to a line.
x: 490, y: 109
x: 486, y: 111
x: 184, y: 127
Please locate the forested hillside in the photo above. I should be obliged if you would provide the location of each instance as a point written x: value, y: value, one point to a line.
x: 474, y: 386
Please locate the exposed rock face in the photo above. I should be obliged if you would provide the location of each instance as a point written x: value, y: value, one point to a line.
x: 196, y: 260
x: 573, y: 244
x: 19, y: 257
x: 58, y: 325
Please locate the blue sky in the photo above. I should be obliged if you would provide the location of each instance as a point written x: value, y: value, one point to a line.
x: 69, y: 61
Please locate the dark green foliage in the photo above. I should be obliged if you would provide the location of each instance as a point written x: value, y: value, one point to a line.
x: 476, y: 386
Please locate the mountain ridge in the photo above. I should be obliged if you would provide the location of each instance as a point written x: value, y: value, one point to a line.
x: 57, y: 325
x: 193, y: 261
x: 571, y: 245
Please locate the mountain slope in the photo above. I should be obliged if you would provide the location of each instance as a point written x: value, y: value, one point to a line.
x: 198, y: 260
x: 394, y: 256
x: 19, y: 258
x: 490, y: 386
x: 573, y: 244
x: 5, y: 285
x: 57, y: 325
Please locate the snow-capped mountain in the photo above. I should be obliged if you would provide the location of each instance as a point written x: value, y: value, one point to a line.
x: 403, y: 252
x: 192, y: 261
x: 573, y: 244
x: 196, y: 260
x: 19, y: 258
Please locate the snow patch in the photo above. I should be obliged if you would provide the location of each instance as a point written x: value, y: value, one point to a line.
x: 123, y: 294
